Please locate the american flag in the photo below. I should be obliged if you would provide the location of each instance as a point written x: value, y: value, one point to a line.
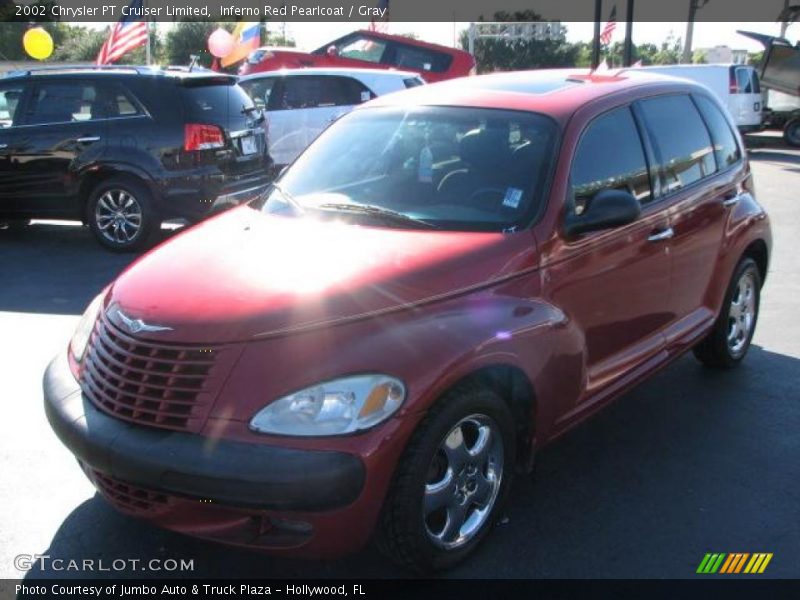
x: 128, y: 33
x: 611, y: 25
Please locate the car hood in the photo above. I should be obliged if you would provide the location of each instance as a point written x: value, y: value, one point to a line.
x: 246, y: 274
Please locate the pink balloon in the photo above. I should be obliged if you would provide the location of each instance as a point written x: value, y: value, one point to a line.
x: 220, y: 43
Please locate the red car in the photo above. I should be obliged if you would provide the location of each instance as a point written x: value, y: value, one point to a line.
x: 369, y: 50
x: 374, y: 347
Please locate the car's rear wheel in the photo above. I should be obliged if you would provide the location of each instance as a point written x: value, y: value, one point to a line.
x: 120, y: 215
x: 727, y: 343
x: 451, y: 481
x: 791, y: 132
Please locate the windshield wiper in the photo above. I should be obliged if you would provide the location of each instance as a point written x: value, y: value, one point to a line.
x: 377, y: 211
x: 291, y: 199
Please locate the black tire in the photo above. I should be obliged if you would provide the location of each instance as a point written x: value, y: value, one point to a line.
x: 717, y: 350
x: 791, y: 132
x: 122, y: 237
x: 404, y: 533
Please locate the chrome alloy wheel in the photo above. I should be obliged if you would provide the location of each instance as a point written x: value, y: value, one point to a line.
x: 742, y: 313
x: 118, y: 216
x: 463, y: 481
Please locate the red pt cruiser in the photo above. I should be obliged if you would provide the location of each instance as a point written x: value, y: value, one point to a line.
x: 446, y: 280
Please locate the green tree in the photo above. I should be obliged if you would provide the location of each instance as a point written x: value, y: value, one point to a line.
x: 189, y: 38
x: 80, y: 44
x: 511, y: 55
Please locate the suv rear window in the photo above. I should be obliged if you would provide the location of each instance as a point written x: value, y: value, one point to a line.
x: 215, y: 101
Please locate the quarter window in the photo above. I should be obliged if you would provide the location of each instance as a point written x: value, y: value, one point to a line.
x: 10, y: 96
x: 64, y: 102
x: 726, y: 150
x: 681, y: 143
x: 610, y: 157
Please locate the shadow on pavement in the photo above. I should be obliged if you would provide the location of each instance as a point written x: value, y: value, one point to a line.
x: 692, y: 461
x: 55, y: 268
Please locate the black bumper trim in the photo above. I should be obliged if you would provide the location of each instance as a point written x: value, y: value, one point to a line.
x: 227, y: 472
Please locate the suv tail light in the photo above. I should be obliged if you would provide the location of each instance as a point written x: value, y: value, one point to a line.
x: 202, y: 137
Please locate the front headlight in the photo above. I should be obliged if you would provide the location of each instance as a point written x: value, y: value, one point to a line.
x: 333, y: 408
x: 84, y: 330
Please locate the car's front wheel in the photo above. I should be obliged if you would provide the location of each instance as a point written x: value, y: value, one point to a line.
x: 120, y: 215
x: 451, y: 481
x: 728, y: 342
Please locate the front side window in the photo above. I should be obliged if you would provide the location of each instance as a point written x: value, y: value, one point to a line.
x: 609, y: 157
x: 726, y: 150
x: 363, y: 48
x: 64, y: 102
x: 10, y: 96
x: 454, y: 168
x: 681, y: 143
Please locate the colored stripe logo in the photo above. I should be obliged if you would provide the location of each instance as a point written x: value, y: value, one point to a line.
x: 733, y: 563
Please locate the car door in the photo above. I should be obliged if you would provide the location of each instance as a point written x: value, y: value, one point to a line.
x: 612, y: 285
x: 11, y: 101
x: 62, y: 130
x: 696, y: 153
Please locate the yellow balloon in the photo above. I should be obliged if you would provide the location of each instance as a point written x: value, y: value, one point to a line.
x: 37, y: 43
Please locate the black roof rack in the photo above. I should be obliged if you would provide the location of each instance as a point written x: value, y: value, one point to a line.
x: 72, y: 68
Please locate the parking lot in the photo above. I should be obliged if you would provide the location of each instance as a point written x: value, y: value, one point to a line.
x: 691, y: 462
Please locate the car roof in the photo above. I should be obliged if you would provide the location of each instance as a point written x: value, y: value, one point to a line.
x: 557, y: 92
x: 389, y: 73
x: 181, y: 73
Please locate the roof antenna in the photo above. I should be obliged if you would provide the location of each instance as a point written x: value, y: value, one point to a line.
x: 193, y: 58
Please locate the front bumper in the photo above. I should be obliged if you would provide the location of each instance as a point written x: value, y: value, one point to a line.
x: 222, y: 472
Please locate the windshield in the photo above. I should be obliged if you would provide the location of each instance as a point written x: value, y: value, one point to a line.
x: 467, y: 169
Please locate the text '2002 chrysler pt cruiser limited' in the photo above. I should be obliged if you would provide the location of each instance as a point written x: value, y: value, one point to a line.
x: 446, y: 280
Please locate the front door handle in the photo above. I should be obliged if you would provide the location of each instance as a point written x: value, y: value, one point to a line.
x: 88, y: 139
x: 3, y: 146
x: 660, y: 236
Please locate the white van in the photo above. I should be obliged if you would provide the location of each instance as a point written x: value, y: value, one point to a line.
x: 737, y: 86
x: 300, y: 103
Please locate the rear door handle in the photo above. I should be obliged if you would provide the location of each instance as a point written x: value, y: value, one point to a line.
x: 88, y: 139
x: 660, y: 236
x: 730, y: 199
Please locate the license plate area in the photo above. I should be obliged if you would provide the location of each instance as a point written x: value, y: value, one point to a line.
x: 247, y: 145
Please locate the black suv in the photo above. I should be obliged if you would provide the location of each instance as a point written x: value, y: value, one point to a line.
x: 124, y: 149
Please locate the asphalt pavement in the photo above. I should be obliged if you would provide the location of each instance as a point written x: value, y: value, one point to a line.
x: 692, y: 461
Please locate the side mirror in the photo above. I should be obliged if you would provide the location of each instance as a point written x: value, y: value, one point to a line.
x: 606, y: 209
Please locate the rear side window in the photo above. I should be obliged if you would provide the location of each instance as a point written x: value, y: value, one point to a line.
x: 610, y: 157
x: 64, y: 102
x: 680, y: 140
x: 310, y: 91
x: 726, y: 150
x: 419, y: 59
x: 10, y: 96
